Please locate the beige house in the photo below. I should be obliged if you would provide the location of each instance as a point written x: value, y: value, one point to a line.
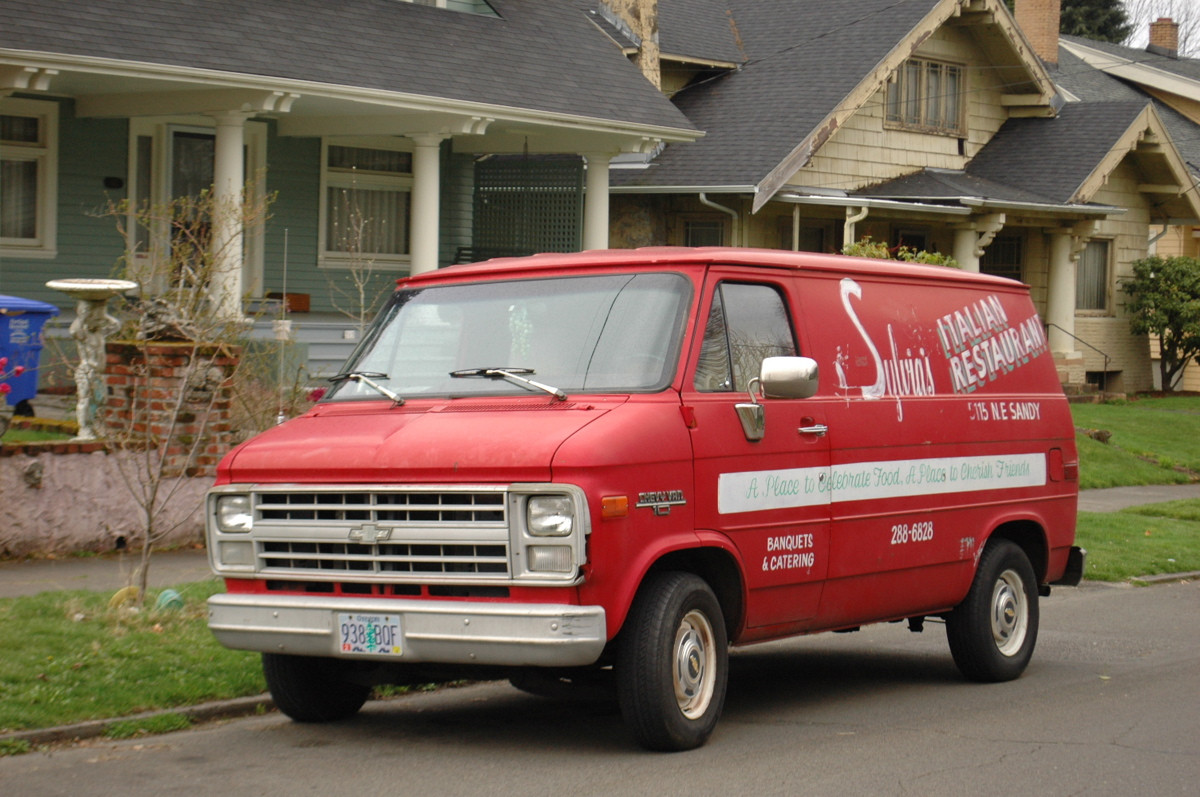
x: 936, y: 124
x: 1174, y: 84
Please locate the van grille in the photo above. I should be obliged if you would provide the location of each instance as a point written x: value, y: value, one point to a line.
x: 382, y: 533
x: 384, y: 558
x: 398, y: 507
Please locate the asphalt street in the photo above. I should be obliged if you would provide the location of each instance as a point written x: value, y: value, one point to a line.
x: 1108, y: 706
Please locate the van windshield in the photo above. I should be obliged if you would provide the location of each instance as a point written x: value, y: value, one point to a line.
x: 613, y: 333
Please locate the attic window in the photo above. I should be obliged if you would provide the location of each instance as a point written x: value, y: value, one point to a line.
x: 927, y: 96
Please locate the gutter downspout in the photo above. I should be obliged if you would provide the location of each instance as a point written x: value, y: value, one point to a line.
x: 734, y: 234
x: 852, y: 218
x: 1154, y: 239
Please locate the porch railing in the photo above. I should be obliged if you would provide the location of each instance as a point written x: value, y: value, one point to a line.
x: 1105, y: 355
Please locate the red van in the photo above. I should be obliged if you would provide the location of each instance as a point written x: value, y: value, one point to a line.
x: 569, y: 468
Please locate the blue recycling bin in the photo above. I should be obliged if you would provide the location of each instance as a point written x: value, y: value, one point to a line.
x: 21, y: 322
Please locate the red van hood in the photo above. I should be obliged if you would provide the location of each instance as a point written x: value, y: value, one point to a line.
x: 464, y: 440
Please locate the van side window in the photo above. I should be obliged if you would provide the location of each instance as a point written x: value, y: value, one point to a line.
x: 747, y: 324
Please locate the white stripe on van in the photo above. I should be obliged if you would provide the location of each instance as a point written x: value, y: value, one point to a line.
x: 758, y: 490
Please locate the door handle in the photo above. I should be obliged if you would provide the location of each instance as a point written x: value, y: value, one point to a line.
x: 819, y: 429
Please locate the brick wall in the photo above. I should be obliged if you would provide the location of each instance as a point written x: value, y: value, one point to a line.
x: 1039, y: 20
x: 171, y: 394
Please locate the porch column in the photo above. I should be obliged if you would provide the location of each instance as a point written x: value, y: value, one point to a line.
x: 424, y: 234
x: 972, y: 239
x: 1060, y: 296
x: 229, y: 169
x: 964, y: 249
x: 595, y: 201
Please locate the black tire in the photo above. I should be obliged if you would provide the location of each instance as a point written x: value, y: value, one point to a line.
x: 993, y: 631
x: 309, y: 689
x: 673, y: 663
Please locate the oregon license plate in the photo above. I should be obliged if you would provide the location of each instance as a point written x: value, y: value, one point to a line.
x: 369, y: 633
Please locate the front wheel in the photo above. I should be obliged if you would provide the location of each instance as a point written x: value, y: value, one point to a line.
x: 672, y: 667
x: 993, y: 631
x: 310, y: 689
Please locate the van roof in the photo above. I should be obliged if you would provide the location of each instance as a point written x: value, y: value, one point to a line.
x: 677, y: 256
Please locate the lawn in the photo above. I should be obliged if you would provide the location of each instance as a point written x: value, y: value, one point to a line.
x: 1153, y: 441
x: 69, y: 657
x: 1141, y: 541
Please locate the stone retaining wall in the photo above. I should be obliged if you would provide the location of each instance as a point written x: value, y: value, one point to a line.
x: 62, y: 498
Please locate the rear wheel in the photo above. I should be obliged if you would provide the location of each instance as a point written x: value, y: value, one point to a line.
x: 993, y: 631
x: 310, y: 689
x: 672, y: 666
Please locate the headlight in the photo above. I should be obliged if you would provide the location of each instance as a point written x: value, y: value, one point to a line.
x: 550, y: 515
x: 234, y: 514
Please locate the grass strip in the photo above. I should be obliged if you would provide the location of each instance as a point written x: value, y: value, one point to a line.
x: 71, y: 658
x: 1139, y: 542
x: 160, y: 723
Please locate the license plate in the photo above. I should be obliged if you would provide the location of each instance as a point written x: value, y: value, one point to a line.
x: 369, y: 633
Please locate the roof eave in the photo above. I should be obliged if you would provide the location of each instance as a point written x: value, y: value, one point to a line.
x: 178, y: 77
x: 1134, y: 71
x: 869, y: 202
x: 681, y: 189
x: 1069, y: 208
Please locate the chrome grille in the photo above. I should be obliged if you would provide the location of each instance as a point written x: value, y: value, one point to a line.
x: 382, y: 533
x: 392, y: 507
x: 421, y: 559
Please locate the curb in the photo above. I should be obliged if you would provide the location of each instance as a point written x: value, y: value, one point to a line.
x: 1163, y: 578
x: 204, y: 712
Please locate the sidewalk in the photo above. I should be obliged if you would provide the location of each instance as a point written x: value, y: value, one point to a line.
x: 1114, y: 499
x: 100, y: 573
x: 110, y: 573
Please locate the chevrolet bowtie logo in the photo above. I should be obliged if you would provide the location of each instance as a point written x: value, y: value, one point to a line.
x: 370, y: 533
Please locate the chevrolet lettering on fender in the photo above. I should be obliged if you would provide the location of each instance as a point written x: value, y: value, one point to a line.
x: 607, y: 468
x: 662, y: 501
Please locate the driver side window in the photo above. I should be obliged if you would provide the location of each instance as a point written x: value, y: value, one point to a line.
x: 747, y: 323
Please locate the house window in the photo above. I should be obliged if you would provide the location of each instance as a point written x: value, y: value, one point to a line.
x: 365, y: 207
x: 1003, y: 258
x: 926, y: 95
x: 703, y: 232
x: 28, y: 177
x: 1091, y: 277
x: 916, y: 240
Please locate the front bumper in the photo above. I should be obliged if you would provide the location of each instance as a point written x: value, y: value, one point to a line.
x: 443, y: 632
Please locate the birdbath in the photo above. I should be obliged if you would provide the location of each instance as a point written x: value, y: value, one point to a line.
x: 91, y: 326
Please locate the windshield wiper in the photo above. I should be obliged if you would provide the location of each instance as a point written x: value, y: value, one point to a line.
x: 368, y: 378
x: 509, y: 375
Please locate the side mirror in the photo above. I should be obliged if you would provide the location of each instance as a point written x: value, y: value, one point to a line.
x: 779, y: 377
x: 789, y: 377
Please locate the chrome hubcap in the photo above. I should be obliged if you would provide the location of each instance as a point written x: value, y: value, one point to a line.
x: 693, y: 672
x: 1010, y: 615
